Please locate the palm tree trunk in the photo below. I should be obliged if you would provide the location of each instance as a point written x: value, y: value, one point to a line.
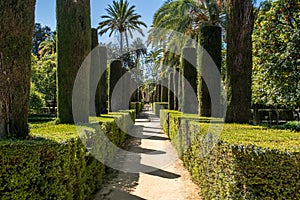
x: 127, y: 41
x: 121, y: 44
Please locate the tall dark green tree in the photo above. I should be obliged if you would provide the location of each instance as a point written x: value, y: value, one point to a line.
x: 240, y: 21
x: 73, y: 45
x: 16, y: 30
x: 121, y: 18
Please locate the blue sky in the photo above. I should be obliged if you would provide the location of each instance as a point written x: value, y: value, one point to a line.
x: 45, y: 11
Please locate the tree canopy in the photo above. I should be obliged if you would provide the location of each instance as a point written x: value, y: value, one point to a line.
x: 276, y: 48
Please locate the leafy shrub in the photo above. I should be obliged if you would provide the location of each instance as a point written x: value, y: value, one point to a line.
x: 36, y: 100
x: 294, y: 125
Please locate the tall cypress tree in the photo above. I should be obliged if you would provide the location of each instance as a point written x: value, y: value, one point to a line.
x: 240, y: 22
x: 98, y: 91
x: 211, y: 44
x: 16, y: 30
x: 189, y: 80
x: 116, y: 72
x: 73, y: 45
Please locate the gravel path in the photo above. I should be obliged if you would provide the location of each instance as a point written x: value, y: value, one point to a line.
x: 163, y: 176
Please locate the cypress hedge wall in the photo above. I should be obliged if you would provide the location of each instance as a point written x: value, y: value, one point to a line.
x: 171, y: 90
x: 188, y: 65
x: 176, y: 88
x: 164, y: 90
x: 210, y: 40
x: 101, y: 103
x: 99, y: 60
x: 115, y: 74
x: 94, y: 71
x: 73, y: 45
x: 16, y: 29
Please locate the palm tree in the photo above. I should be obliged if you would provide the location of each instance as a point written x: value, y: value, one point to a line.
x: 139, y: 49
x: 185, y: 17
x: 121, y: 18
x: 48, y: 46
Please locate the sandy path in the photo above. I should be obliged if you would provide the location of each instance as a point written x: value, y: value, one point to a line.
x: 163, y: 176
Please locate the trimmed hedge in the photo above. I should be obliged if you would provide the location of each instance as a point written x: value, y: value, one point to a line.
x: 159, y: 105
x: 54, y: 163
x: 137, y: 106
x: 247, y: 162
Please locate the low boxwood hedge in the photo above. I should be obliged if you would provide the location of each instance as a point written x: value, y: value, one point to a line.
x: 54, y: 162
x: 137, y: 106
x: 246, y: 162
x: 158, y: 106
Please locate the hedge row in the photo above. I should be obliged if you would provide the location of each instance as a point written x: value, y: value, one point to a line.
x: 246, y: 162
x: 157, y: 106
x: 54, y: 163
x: 137, y: 106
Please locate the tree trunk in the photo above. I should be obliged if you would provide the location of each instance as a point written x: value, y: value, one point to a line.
x: 73, y: 45
x: 240, y: 20
x: 16, y: 30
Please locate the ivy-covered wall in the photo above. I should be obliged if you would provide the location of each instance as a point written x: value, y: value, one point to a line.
x: 16, y: 29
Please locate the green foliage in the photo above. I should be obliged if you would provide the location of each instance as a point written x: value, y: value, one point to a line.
x: 40, y: 34
x: 36, y: 100
x: 43, y: 76
x: 295, y: 126
x: 55, y: 164
x: 276, y: 62
x: 247, y: 162
x: 45, y: 169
